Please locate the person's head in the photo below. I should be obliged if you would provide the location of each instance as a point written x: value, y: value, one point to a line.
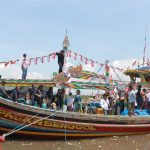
x: 27, y: 95
x: 17, y: 88
x: 78, y: 92
x: 70, y: 94
x: 144, y: 90
x: 62, y: 52
x: 130, y: 87
x: 24, y: 55
x: 50, y: 89
x: 104, y: 96
x: 33, y: 85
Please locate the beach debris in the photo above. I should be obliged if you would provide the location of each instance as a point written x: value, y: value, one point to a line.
x: 99, y: 146
x: 26, y: 144
x: 133, y: 141
x: 58, y: 148
x: 11, y: 142
x: 69, y: 143
x: 115, y: 137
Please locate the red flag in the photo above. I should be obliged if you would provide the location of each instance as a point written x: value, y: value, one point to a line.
x: 54, y: 55
x: 36, y: 60
x: 92, y: 63
x: 7, y: 63
x: 81, y: 58
x: 42, y: 59
x: 49, y: 57
x: 86, y: 60
x: 30, y: 61
x: 69, y: 53
x: 75, y: 56
x: 134, y: 63
x: 12, y: 62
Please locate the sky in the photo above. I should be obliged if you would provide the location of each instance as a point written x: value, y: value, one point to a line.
x: 98, y: 29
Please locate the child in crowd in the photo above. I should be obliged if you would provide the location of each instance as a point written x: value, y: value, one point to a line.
x: 44, y: 104
x: 28, y: 99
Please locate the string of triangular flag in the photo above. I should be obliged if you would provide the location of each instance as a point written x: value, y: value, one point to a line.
x: 69, y: 53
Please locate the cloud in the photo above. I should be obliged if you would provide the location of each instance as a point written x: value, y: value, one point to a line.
x: 14, y: 72
x: 124, y: 64
x: 88, y: 67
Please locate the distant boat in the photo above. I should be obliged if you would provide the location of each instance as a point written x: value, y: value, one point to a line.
x: 142, y: 73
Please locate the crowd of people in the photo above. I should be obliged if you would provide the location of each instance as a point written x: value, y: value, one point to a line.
x: 133, y: 97
x: 42, y: 97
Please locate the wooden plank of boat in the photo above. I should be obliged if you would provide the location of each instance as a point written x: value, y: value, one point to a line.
x: 28, y: 82
x: 76, y: 125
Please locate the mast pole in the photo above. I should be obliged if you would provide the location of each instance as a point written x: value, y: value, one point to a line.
x: 65, y: 48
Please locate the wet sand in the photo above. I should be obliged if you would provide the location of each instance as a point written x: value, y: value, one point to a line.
x: 136, y: 142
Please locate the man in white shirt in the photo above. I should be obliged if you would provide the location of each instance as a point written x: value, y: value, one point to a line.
x: 24, y: 66
x: 104, y: 102
x: 131, y: 100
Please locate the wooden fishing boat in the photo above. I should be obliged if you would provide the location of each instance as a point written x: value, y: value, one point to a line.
x: 20, y: 120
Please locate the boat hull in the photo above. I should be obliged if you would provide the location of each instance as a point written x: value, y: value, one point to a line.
x: 48, y: 124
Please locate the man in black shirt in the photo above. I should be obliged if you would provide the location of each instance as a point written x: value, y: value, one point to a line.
x: 60, y: 55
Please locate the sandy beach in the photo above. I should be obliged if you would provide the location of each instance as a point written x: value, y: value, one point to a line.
x: 136, y: 142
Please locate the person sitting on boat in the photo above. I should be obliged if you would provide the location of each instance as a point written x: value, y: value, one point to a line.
x: 61, y: 55
x: 49, y: 96
x: 78, y: 102
x: 69, y: 102
x: 104, y: 103
x: 24, y: 66
x: 139, y: 98
x: 131, y: 100
x: 39, y: 96
x: 28, y: 100
x: 53, y: 105
x: 15, y: 94
x: 32, y: 92
x: 58, y: 99
x: 144, y: 95
x: 44, y: 104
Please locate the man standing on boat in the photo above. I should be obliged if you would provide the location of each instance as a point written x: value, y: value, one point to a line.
x: 24, y: 66
x: 131, y: 100
x: 60, y: 60
x: 61, y: 54
x: 78, y: 102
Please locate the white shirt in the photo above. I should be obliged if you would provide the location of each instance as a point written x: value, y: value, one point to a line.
x: 70, y: 101
x: 131, y: 96
x: 148, y: 96
x: 104, y: 104
x: 24, y: 63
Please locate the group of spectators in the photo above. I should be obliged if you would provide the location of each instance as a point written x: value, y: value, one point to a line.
x: 134, y: 97
x: 43, y: 97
